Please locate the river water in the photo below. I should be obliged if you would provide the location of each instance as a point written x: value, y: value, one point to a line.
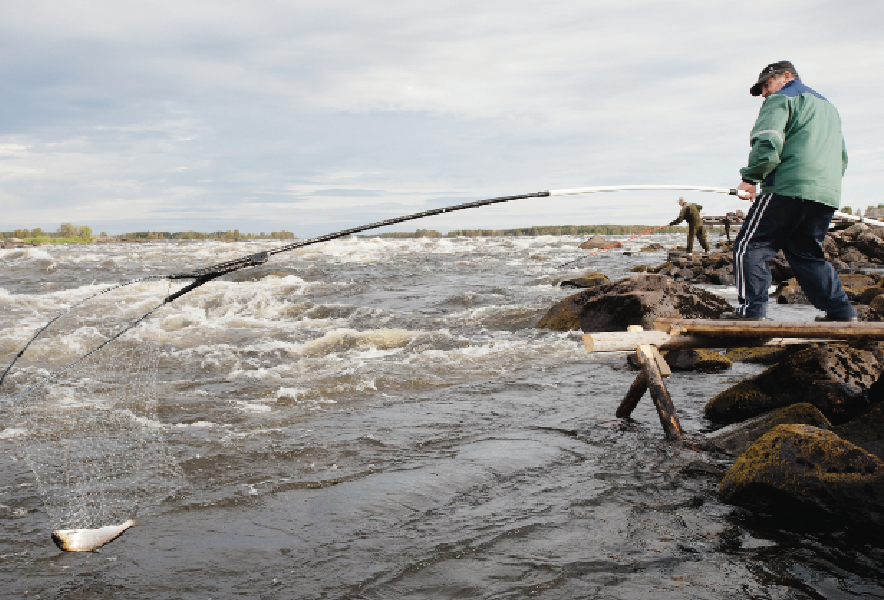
x: 373, y: 418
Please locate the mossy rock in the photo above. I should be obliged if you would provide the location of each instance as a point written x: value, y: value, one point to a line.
x: 805, y: 471
x: 856, y: 281
x: 832, y: 377
x: 587, y: 280
x: 640, y: 268
x: 762, y: 355
x: 696, y: 359
x: 635, y: 300
x: 744, y: 399
x: 737, y: 438
x: 663, y: 267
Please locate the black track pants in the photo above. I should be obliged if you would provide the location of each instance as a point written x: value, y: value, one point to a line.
x: 798, y: 227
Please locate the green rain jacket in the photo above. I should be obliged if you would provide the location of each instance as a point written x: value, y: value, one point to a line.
x: 690, y: 212
x: 797, y: 146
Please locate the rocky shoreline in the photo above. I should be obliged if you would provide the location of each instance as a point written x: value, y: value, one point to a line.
x: 806, y: 435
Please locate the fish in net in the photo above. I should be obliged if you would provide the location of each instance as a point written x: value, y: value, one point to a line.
x: 86, y: 410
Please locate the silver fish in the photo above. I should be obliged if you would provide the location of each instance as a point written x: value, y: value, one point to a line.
x: 86, y: 540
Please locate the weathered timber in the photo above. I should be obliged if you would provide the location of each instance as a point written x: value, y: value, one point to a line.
x: 659, y: 394
x: 773, y: 329
x: 627, y: 341
x: 665, y: 371
x: 635, y: 393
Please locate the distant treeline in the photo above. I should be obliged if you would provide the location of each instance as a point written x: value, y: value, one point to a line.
x: 528, y: 231
x: 230, y: 234
x: 65, y: 231
x: 69, y: 232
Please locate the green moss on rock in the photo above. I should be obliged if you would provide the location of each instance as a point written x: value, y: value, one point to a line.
x: 800, y: 469
x: 744, y: 398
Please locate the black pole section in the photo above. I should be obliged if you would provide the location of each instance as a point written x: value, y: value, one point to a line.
x: 262, y: 257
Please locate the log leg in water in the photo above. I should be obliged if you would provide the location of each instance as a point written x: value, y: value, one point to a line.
x: 659, y: 393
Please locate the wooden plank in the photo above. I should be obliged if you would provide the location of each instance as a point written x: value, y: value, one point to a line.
x: 729, y: 328
x: 627, y: 341
x: 659, y: 394
x: 635, y: 393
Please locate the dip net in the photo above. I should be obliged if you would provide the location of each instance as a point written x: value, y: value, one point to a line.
x: 84, y: 412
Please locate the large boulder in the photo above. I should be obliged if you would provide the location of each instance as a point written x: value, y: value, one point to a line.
x: 801, y: 470
x: 596, y: 242
x: 832, y: 377
x: 635, y: 300
x: 737, y: 438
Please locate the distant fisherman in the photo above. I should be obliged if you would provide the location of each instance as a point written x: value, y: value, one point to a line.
x: 690, y: 212
x: 798, y: 156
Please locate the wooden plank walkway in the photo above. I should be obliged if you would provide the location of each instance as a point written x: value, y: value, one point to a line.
x: 772, y: 329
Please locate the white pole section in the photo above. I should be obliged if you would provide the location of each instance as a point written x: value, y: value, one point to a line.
x: 617, y: 188
x: 860, y: 219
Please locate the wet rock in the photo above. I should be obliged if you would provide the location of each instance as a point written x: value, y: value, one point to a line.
x: 870, y: 243
x: 722, y: 276
x: 801, y: 470
x: 652, y: 247
x: 852, y: 256
x: 832, y: 377
x: 866, y: 295
x: 780, y: 269
x: 737, y: 438
x: 866, y: 431
x: 696, y: 359
x: 639, y: 268
x: 789, y: 292
x: 587, y: 280
x: 763, y: 355
x: 634, y: 300
x: 876, y: 309
x: 596, y: 242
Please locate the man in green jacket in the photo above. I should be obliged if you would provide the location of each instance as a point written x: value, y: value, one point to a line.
x: 798, y: 157
x: 690, y: 212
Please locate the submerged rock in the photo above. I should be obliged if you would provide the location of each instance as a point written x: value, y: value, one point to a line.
x: 634, y: 300
x: 832, y: 377
x: 801, y: 470
x: 696, y: 359
x: 736, y: 439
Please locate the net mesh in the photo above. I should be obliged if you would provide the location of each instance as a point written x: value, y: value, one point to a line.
x: 91, y: 431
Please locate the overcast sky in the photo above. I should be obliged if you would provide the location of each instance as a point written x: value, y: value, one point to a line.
x: 318, y: 116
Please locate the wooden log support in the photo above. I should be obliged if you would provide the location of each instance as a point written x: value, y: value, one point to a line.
x: 659, y: 394
x: 635, y: 393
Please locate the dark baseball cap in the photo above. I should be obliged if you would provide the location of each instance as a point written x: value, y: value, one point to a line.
x: 784, y: 66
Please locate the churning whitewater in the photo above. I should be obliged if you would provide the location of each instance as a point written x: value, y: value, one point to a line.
x: 378, y: 418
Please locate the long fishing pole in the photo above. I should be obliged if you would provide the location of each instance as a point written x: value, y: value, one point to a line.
x: 262, y: 257
x: 204, y: 275
x: 614, y: 245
